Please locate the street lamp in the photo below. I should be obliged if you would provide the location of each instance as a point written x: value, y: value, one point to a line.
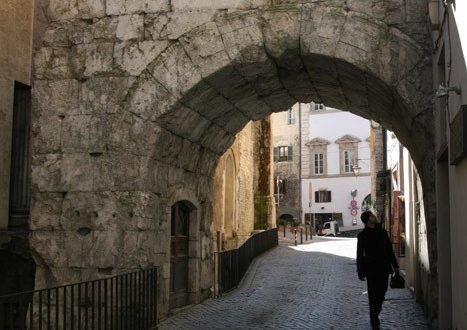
x: 356, y: 170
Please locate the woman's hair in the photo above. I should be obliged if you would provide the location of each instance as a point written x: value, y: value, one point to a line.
x: 365, y: 216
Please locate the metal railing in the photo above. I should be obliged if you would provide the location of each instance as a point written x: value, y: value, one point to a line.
x: 233, y: 264
x: 127, y: 301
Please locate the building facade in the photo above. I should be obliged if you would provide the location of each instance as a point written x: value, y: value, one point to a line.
x: 285, y: 130
x: 336, y: 180
x: 449, y: 42
x: 240, y: 205
x: 316, y: 149
x: 16, y: 34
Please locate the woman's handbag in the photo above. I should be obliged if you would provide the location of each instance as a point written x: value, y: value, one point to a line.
x: 397, y: 281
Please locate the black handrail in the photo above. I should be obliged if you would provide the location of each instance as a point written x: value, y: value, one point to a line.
x: 233, y: 264
x: 126, y: 301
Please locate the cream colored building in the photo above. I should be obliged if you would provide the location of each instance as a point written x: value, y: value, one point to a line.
x: 285, y: 131
x: 241, y: 204
x: 16, y: 32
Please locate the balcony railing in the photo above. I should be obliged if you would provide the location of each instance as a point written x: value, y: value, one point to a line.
x: 127, y: 301
x: 233, y: 264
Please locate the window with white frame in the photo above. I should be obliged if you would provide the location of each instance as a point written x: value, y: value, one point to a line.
x: 348, y: 153
x: 349, y: 160
x: 318, y: 164
x: 290, y: 117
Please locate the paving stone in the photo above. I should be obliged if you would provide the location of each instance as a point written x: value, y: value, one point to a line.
x: 309, y: 286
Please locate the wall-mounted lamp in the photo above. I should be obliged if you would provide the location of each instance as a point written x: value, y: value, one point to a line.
x: 356, y: 170
x: 444, y: 91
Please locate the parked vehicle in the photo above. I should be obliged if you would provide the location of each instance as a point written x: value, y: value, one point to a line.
x: 330, y: 228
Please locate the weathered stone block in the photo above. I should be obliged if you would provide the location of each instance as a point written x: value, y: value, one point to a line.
x: 121, y: 171
x: 77, y: 172
x: 206, y: 48
x: 149, y: 99
x: 62, y: 10
x: 220, y: 4
x: 58, y: 97
x: 46, y: 210
x: 130, y: 27
x: 181, y: 22
x: 53, y: 63
x: 83, y: 133
x: 103, y: 95
x: 46, y: 134
x: 91, y: 8
x: 105, y: 248
x: 155, y: 26
x: 185, y: 122
x: 93, y: 59
x: 105, y: 28
x: 321, y: 28
x: 175, y: 71
x: 134, y: 57
x: 138, y: 247
x: 46, y: 172
x: 49, y: 247
x: 119, y: 7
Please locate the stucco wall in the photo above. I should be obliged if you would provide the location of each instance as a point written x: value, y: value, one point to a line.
x: 16, y: 20
x: 451, y: 179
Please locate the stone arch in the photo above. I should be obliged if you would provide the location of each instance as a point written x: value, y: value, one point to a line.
x: 286, y: 218
x: 168, y: 109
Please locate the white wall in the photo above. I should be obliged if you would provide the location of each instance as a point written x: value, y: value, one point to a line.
x: 340, y: 199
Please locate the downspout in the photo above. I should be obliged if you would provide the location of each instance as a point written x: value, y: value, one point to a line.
x: 300, y: 163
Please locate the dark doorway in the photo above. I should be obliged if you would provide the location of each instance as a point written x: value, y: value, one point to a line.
x: 321, y: 218
x: 286, y: 219
x: 179, y: 255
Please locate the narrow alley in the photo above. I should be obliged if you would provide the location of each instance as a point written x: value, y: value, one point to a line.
x: 311, y: 286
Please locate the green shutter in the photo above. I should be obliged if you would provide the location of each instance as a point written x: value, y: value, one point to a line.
x: 289, y: 153
x: 276, y: 154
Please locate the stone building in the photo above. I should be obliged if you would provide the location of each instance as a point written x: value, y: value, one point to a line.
x: 239, y: 206
x: 135, y: 101
x: 285, y: 130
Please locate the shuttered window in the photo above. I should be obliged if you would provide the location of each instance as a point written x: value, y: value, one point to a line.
x: 283, y: 154
x: 323, y: 196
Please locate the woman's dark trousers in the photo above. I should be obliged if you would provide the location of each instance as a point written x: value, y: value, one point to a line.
x: 377, y: 287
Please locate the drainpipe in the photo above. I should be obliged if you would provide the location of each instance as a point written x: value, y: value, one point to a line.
x: 300, y: 162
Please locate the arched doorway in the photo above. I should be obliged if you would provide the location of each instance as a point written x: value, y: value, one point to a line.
x: 286, y: 219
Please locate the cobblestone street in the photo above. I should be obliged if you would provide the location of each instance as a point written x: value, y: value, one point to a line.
x: 311, y: 286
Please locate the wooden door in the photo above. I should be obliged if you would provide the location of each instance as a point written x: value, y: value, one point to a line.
x: 179, y: 255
